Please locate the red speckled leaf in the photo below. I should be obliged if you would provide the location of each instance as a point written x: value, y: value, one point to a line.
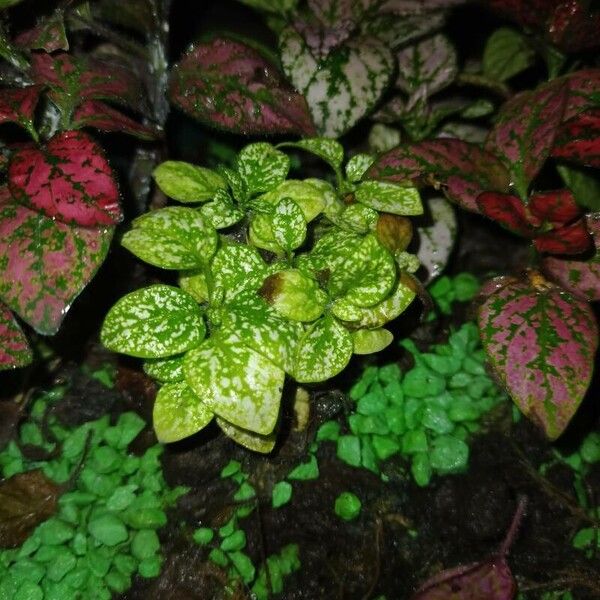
x: 578, y: 139
x: 77, y: 78
x: 556, y: 206
x: 14, y: 348
x: 227, y: 84
x: 44, y: 264
x: 584, y: 92
x: 541, y: 342
x: 507, y: 210
x: 463, y: 170
x: 524, y: 132
x: 69, y: 179
x: 49, y: 35
x: 569, y: 239
x: 96, y: 114
x: 18, y: 105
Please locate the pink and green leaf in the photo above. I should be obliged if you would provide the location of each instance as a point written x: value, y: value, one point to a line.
x: 45, y: 264
x: 584, y: 92
x: 68, y: 179
x: 508, y: 211
x: 568, y: 239
x: 461, y: 169
x: 578, y: 139
x: 524, y: 132
x: 541, y: 342
x: 227, y: 84
x: 555, y: 206
x: 14, y: 348
x: 50, y: 35
x: 18, y: 105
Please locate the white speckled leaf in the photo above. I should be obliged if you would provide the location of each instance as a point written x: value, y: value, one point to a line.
x: 324, y: 350
x: 165, y: 370
x: 261, y: 235
x: 289, y: 225
x: 357, y: 218
x: 389, y: 197
x: 437, y: 240
x: 357, y: 166
x: 262, y: 167
x: 172, y: 238
x: 332, y: 12
x: 187, y: 183
x: 248, y: 439
x: 344, y: 86
x: 261, y: 328
x: 222, y: 212
x: 369, y: 341
x: 308, y: 195
x: 383, y: 138
x: 395, y: 31
x: 236, y: 182
x: 331, y: 151
x: 154, y: 322
x: 427, y: 67
x: 237, y: 383
x: 179, y: 413
x: 195, y: 284
x: 236, y: 268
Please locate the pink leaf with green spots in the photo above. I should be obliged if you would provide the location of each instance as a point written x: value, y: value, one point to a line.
x: 568, y: 239
x: 45, y: 264
x: 18, y: 105
x: 509, y: 211
x: 69, y: 179
x: 461, y: 169
x: 50, y: 35
x: 101, y: 116
x: 578, y: 139
x: 524, y: 132
x: 14, y: 348
x: 227, y: 84
x: 541, y: 342
x: 584, y: 92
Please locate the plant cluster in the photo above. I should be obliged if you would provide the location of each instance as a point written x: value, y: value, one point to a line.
x: 88, y: 536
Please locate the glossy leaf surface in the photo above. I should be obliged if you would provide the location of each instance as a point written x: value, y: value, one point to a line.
x: 578, y: 139
x: 14, y: 347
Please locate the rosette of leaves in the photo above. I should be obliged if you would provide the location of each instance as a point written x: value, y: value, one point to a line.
x: 277, y: 277
x: 540, y: 336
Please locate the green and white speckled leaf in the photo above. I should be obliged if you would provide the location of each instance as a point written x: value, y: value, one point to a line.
x: 236, y: 182
x: 236, y: 382
x: 357, y: 218
x: 395, y: 304
x: 187, y: 183
x: 165, y: 370
x: 178, y: 413
x: 294, y: 295
x: 261, y: 328
x: 222, y: 212
x: 262, y: 167
x: 342, y: 87
x: 309, y: 195
x: 175, y: 237
x: 323, y: 351
x: 369, y: 341
x: 383, y: 138
x: 289, y: 224
x: 236, y: 268
x: 427, y: 67
x: 389, y: 197
x: 331, y: 151
x: 154, y: 322
x: 248, y: 439
x: 261, y: 235
x: 358, y: 165
x: 195, y: 284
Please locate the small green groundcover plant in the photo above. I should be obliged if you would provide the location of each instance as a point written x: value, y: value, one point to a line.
x: 276, y: 276
x: 96, y: 506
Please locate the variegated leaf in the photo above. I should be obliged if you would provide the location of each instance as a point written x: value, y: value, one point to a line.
x: 389, y: 197
x: 165, y: 370
x: 461, y: 169
x: 370, y: 341
x: 331, y: 151
x: 322, y: 39
x: 524, y: 132
x: 324, y: 350
x: 45, y: 264
x: 333, y: 12
x: 578, y: 139
x: 541, y: 342
x: 155, y: 322
x: 306, y: 194
x: 237, y: 383
x: 248, y: 439
x: 289, y: 224
x: 69, y: 179
x: 507, y: 53
x: 262, y: 167
x: 358, y: 218
x: 49, y: 35
x: 583, y: 92
x: 294, y: 295
x: 188, y: 183
x: 14, y: 347
x: 383, y: 138
x: 195, y: 284
x: 436, y: 241
x: 344, y: 86
x: 227, y: 84
x: 222, y: 212
x: 178, y: 413
x: 358, y: 165
x: 427, y: 67
x: 397, y: 32
x: 18, y: 105
x: 508, y: 211
x: 175, y: 237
